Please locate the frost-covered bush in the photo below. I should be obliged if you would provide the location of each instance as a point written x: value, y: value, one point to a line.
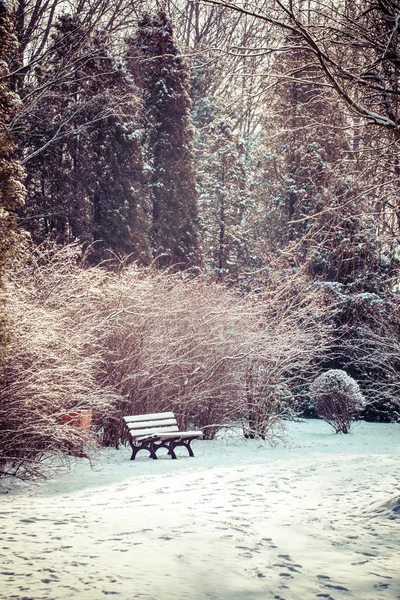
x: 337, y: 399
x: 53, y: 362
x: 271, y: 403
x: 186, y: 344
x: 136, y: 341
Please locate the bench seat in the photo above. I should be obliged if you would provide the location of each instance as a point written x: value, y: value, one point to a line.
x: 158, y: 430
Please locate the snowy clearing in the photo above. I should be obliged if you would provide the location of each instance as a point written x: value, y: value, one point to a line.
x: 317, y: 516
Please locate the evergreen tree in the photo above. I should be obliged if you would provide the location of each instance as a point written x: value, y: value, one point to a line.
x: 327, y: 226
x: 226, y: 206
x: 57, y: 204
x: 156, y: 61
x: 119, y: 196
x: 12, y: 191
x: 85, y: 168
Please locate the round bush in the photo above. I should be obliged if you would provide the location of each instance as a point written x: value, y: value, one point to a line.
x: 337, y: 399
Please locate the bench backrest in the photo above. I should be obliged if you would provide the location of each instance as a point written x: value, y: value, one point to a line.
x: 142, y: 425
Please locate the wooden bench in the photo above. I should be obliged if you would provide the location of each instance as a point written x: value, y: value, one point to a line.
x: 159, y: 430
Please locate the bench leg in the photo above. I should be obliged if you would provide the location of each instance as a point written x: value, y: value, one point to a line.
x: 153, y: 451
x: 168, y: 445
x: 149, y: 447
x: 185, y: 443
x: 134, y: 452
x: 188, y: 447
x: 171, y: 450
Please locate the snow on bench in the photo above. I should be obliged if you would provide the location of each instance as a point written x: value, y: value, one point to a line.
x: 158, y: 430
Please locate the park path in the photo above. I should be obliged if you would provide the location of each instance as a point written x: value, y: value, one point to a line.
x: 315, y: 518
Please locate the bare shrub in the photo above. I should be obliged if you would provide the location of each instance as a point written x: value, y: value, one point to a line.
x: 134, y: 341
x: 295, y: 337
x: 337, y: 398
x: 177, y: 343
x: 53, y: 361
x: 208, y: 353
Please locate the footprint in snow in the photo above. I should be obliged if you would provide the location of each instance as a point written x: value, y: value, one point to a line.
x: 340, y: 588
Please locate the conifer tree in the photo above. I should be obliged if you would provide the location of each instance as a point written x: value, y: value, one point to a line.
x: 119, y: 196
x: 225, y: 204
x: 163, y: 77
x: 54, y: 139
x: 85, y: 174
x: 326, y: 226
x: 12, y: 191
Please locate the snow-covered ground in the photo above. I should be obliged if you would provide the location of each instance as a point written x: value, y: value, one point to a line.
x: 316, y: 517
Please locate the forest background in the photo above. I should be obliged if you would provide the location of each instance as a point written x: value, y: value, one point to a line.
x: 199, y: 212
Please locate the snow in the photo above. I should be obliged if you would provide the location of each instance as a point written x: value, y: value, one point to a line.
x: 152, y: 417
x: 8, y: 5
x: 315, y: 516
